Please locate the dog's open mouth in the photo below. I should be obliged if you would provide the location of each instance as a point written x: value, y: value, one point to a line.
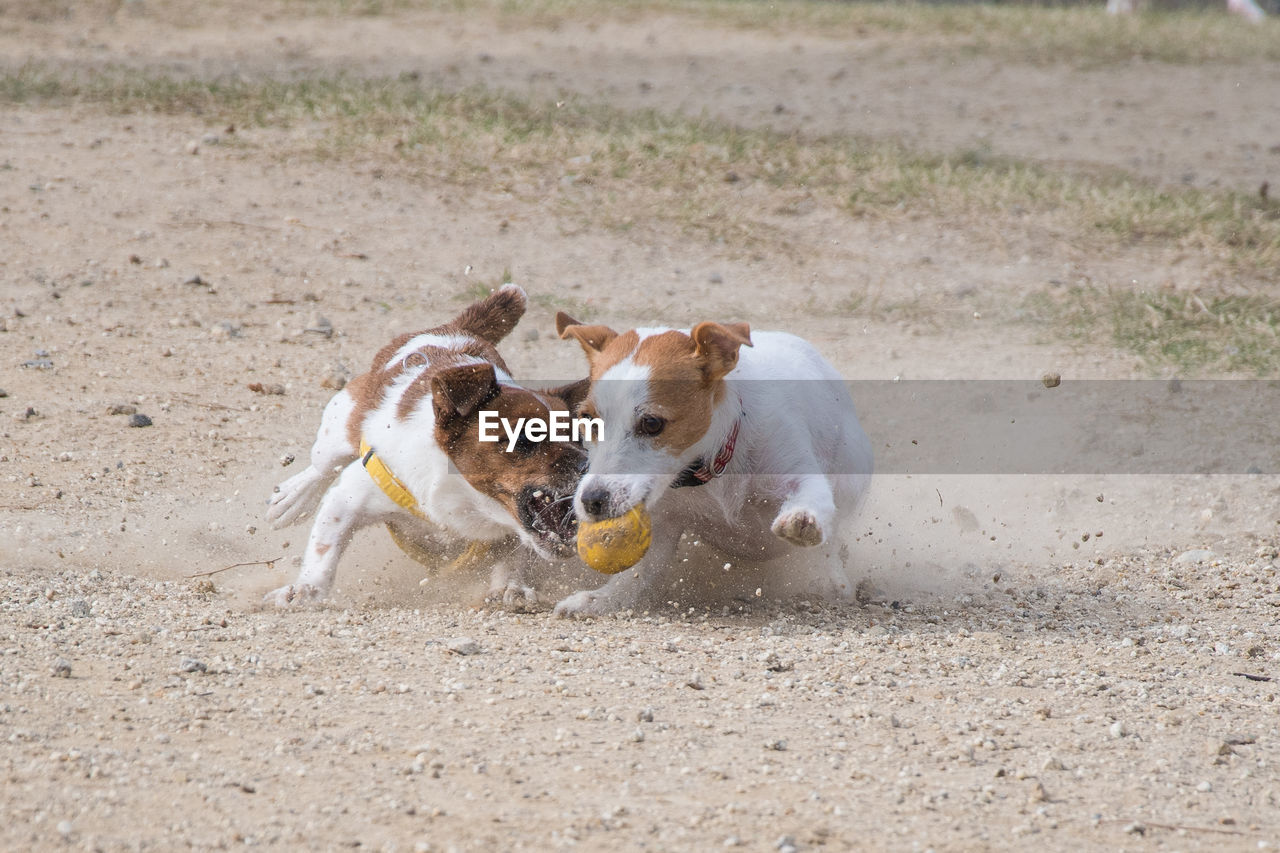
x: 549, y: 517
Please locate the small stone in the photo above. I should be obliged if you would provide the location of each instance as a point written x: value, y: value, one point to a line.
x: 715, y: 278
x: 137, y: 420
x: 80, y: 608
x: 319, y: 325
x: 192, y: 147
x: 61, y: 668
x: 1205, y: 787
x: 195, y: 280
x: 64, y: 828
x: 1135, y: 829
x: 122, y: 409
x: 778, y: 745
x: 192, y: 665
x: 785, y: 844
x: 1038, y: 793
x: 695, y: 681
x: 637, y: 736
x: 463, y: 646
x: 1118, y: 729
x: 644, y: 715
x: 1053, y: 763
x: 336, y: 378
x: 1051, y: 379
x: 1197, y: 555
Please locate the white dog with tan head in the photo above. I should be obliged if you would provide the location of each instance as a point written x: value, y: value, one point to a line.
x: 750, y: 442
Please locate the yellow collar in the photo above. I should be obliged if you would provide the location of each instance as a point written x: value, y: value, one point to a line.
x: 388, y: 482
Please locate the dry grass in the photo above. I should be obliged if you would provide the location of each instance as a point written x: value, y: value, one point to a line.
x: 603, y: 167
x: 619, y: 168
x: 1081, y: 34
x: 1185, y: 332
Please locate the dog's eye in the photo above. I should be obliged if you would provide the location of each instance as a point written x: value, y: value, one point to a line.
x: 650, y: 425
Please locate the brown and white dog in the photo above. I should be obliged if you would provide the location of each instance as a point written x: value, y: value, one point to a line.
x: 403, y: 443
x: 756, y: 451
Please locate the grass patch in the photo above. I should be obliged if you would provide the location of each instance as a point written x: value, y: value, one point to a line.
x: 1082, y: 34
x: 612, y: 168
x: 1184, y: 331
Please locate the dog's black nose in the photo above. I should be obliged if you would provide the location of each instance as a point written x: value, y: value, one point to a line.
x: 594, y: 500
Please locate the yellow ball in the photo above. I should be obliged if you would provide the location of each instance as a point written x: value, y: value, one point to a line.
x: 615, y: 544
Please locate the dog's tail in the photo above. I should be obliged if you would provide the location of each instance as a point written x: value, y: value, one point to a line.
x: 493, y: 319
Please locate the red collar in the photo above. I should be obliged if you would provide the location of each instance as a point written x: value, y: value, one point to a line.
x: 701, y: 472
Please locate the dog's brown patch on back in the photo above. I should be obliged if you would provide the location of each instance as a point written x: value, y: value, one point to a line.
x: 368, y: 389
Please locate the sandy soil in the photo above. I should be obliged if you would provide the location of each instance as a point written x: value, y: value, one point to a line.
x: 1006, y: 682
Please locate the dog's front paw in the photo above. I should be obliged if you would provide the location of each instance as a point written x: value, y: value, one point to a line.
x: 585, y: 603
x: 293, y: 595
x: 799, y: 527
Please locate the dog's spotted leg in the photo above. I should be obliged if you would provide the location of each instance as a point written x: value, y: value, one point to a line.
x: 808, y: 511
x: 353, y: 502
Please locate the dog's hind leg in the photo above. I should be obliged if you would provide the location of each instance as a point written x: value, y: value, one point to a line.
x: 354, y: 502
x: 330, y: 453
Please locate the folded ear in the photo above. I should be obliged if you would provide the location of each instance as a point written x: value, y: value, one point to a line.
x: 716, y: 345
x: 573, y: 393
x: 592, y: 338
x: 456, y: 392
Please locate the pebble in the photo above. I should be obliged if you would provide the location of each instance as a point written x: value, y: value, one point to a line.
x: 192, y: 665
x: 61, y: 668
x: 80, y: 608
x: 64, y: 828
x: 463, y: 646
x: 137, y: 420
x: 336, y: 378
x: 644, y: 715
x: 1198, y: 555
x: 1205, y: 787
x: 1118, y: 729
x: 1051, y: 379
x: 695, y: 681
x: 122, y: 409
x: 786, y: 844
x: 319, y: 325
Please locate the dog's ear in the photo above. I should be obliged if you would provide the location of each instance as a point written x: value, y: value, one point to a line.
x: 592, y: 338
x: 716, y: 346
x: 458, y: 391
x: 573, y: 394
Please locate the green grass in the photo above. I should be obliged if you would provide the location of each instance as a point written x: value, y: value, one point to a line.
x: 1186, y: 332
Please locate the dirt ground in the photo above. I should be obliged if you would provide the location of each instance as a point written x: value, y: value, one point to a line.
x: 1078, y: 662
